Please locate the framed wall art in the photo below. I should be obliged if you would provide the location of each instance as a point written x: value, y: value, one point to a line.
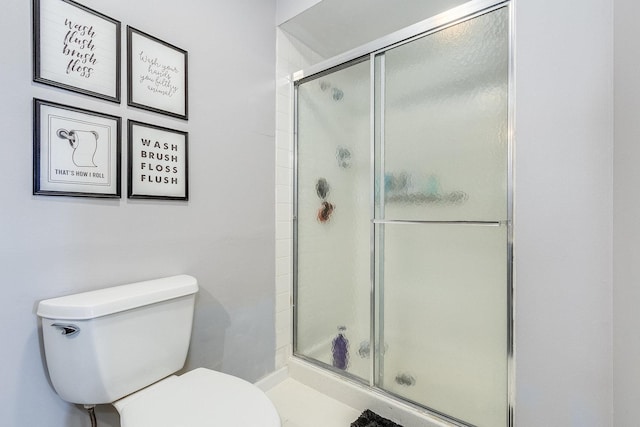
x: 158, y: 162
x: 157, y: 74
x: 76, y: 48
x: 76, y: 152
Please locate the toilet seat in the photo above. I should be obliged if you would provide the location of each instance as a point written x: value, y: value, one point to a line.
x: 199, y: 398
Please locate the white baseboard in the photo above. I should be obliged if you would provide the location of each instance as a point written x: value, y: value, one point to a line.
x: 273, y: 379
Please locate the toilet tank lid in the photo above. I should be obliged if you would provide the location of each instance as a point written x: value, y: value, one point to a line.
x: 89, y: 305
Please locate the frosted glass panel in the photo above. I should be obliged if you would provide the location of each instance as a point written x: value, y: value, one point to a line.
x: 437, y: 168
x: 444, y: 299
x: 445, y: 123
x: 333, y: 228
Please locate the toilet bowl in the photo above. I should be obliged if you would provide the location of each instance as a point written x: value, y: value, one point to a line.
x: 123, y: 345
x: 200, y: 397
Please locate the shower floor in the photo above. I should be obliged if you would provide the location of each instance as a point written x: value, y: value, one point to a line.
x: 302, y: 406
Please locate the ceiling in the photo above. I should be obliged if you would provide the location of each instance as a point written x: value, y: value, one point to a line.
x: 332, y: 27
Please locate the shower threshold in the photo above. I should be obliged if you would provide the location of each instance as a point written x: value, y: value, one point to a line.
x: 361, y: 397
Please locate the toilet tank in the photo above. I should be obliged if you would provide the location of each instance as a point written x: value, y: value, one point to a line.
x: 105, y: 344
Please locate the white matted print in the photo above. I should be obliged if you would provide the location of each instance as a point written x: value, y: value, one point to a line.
x: 158, y: 162
x: 157, y: 75
x: 76, y: 48
x: 76, y: 151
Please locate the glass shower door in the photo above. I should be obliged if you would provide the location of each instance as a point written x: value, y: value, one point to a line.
x: 402, y: 215
x: 333, y: 211
x: 442, y: 236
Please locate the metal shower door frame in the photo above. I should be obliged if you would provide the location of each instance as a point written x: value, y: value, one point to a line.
x: 374, y: 52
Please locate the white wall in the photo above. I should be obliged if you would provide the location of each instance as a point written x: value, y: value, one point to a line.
x: 626, y: 340
x: 287, y: 9
x: 51, y: 246
x: 563, y: 220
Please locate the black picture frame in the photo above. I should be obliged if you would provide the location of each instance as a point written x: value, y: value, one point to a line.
x: 158, y: 162
x: 76, y: 48
x: 76, y: 152
x: 157, y: 75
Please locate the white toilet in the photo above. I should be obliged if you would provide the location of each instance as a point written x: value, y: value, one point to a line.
x: 120, y: 346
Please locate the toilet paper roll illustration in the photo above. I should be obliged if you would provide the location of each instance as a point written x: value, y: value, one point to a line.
x: 84, y: 143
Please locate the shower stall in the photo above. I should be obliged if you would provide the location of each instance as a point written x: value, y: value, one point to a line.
x: 402, y: 216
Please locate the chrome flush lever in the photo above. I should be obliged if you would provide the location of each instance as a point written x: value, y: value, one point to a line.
x: 67, y: 330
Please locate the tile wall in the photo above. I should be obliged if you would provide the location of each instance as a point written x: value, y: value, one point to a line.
x: 292, y: 56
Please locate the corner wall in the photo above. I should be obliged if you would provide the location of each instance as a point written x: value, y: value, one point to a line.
x: 564, y: 213
x: 287, y: 9
x: 52, y: 246
x: 292, y: 56
x: 626, y: 293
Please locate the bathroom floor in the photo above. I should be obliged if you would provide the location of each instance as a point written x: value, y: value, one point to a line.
x: 302, y: 406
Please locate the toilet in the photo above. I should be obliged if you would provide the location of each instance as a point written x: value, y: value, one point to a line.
x: 123, y: 345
